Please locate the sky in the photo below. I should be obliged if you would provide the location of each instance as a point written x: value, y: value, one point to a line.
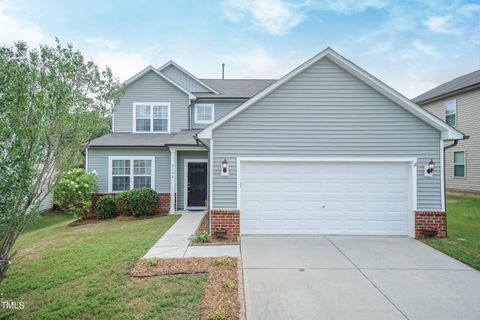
x: 410, y: 45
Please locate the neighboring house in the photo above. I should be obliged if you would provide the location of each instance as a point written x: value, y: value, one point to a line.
x: 326, y: 149
x: 457, y: 102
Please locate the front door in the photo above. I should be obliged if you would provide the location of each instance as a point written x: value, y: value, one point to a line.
x: 197, y: 184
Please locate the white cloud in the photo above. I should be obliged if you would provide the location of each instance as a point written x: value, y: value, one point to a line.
x: 103, y: 42
x: 124, y: 65
x: 275, y: 17
x: 257, y: 62
x: 440, y: 24
x: 351, y: 6
x: 14, y: 29
x: 419, y: 49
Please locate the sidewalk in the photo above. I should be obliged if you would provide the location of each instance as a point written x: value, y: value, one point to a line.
x: 175, y: 242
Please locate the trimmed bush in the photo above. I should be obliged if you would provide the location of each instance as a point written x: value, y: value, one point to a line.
x: 106, y: 207
x: 121, y: 199
x: 142, y: 201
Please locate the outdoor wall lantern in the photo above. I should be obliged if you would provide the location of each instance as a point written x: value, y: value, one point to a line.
x: 430, y: 166
x: 225, y: 167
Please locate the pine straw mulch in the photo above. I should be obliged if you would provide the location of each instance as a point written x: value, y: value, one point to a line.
x: 213, y: 240
x: 220, y: 295
x: 121, y: 217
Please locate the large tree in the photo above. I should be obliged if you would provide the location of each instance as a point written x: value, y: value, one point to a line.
x: 52, y: 102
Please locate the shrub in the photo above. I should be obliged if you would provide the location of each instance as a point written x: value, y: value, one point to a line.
x: 72, y: 193
x: 152, y: 262
x: 106, y: 207
x: 221, y: 261
x: 218, y: 315
x: 231, y: 284
x: 142, y: 201
x: 202, y: 237
x: 121, y: 200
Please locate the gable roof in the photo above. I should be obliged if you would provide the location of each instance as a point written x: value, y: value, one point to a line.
x: 462, y: 83
x: 235, y: 88
x: 448, y: 133
x: 152, y: 69
x: 172, y: 63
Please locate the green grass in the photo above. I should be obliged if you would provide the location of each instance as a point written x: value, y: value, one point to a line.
x: 463, y: 228
x: 63, y: 272
x: 47, y: 219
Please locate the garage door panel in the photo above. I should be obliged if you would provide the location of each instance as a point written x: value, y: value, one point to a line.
x: 322, y: 197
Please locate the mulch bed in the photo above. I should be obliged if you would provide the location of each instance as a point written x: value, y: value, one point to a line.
x: 220, y: 295
x: 213, y: 240
x: 93, y: 219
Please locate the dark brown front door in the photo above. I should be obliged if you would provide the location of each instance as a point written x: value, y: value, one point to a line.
x: 197, y: 184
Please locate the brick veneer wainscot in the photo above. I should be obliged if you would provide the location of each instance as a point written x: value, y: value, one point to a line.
x: 436, y: 220
x: 163, y: 205
x: 227, y: 219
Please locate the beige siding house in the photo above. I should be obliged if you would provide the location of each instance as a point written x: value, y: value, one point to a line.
x: 457, y: 102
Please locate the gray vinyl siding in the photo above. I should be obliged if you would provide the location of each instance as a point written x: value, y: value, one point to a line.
x: 325, y: 111
x: 152, y: 88
x: 184, y: 80
x: 98, y: 161
x: 181, y: 156
x: 468, y: 122
x: 47, y: 203
x: 221, y: 109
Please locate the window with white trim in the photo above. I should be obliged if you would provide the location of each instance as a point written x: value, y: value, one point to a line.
x: 451, y: 112
x: 152, y: 117
x: 204, y: 113
x: 459, y: 164
x: 130, y: 173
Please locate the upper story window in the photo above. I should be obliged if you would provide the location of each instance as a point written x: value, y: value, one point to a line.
x: 204, y: 113
x: 151, y: 117
x: 127, y: 173
x: 451, y: 112
x: 459, y: 164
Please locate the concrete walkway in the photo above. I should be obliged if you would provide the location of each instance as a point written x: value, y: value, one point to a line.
x: 175, y: 242
x: 349, y: 277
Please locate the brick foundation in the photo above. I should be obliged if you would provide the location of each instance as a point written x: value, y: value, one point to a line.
x: 226, y: 218
x: 163, y: 205
x: 436, y: 220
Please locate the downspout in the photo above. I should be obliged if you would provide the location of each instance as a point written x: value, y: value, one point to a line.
x: 455, y: 142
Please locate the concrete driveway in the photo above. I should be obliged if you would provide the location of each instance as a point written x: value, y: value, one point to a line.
x: 350, y: 277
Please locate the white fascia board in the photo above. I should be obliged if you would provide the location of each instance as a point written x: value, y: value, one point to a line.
x: 448, y: 132
x: 172, y: 63
x: 151, y: 68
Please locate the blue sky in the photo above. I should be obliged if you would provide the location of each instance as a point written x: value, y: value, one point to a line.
x: 410, y: 45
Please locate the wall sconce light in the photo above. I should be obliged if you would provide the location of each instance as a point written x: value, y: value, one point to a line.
x: 225, y: 167
x: 430, y: 166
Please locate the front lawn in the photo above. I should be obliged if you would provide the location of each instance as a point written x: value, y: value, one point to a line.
x: 63, y: 272
x: 463, y: 242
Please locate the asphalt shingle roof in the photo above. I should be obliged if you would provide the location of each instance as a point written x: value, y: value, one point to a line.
x: 184, y: 137
x: 235, y: 88
x: 451, y: 86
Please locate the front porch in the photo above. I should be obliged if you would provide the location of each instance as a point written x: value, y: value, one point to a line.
x: 188, y: 178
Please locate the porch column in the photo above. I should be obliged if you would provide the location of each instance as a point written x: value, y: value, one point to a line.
x: 173, y: 178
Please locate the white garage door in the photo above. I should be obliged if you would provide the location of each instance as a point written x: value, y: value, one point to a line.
x: 324, y: 198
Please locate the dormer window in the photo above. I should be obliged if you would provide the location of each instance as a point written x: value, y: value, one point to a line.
x: 204, y: 113
x: 151, y: 117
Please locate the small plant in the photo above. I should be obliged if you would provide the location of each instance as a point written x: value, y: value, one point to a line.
x: 231, y: 284
x: 142, y: 201
x: 106, y: 207
x: 222, y: 261
x: 202, y: 237
x: 121, y: 200
x: 152, y: 262
x: 218, y: 315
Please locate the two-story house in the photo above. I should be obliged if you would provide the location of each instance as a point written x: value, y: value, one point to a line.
x: 457, y: 102
x: 327, y: 148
